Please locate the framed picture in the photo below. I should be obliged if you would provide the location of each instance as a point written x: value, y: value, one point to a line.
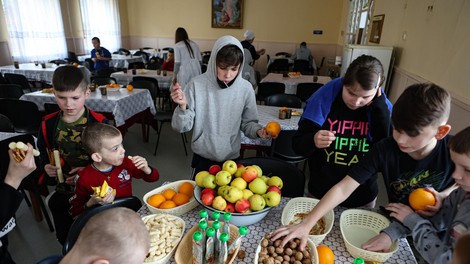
x: 376, y: 29
x: 227, y: 13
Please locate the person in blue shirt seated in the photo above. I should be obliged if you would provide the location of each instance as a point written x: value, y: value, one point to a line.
x: 100, y: 55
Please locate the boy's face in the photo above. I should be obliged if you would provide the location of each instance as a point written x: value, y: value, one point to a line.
x: 355, y: 96
x: 112, y: 151
x: 461, y: 173
x: 72, y: 102
x: 227, y: 74
x: 96, y: 44
x: 409, y: 144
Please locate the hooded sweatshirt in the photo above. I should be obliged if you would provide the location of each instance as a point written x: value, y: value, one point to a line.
x: 217, y: 114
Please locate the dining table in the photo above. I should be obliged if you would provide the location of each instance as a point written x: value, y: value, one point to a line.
x: 272, y: 221
x: 124, y: 107
x: 37, y: 72
x: 164, y: 81
x: 118, y: 60
x: 162, y: 54
x: 291, y: 82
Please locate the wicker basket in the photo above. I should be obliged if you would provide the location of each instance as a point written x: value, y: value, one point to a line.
x: 179, y: 210
x: 184, y: 251
x: 357, y: 227
x: 310, y: 245
x: 167, y: 257
x: 305, y: 205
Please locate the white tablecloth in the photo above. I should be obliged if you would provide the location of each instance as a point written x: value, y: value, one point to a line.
x: 117, y: 61
x: 164, y: 82
x: 291, y: 83
x: 120, y: 102
x: 153, y: 53
x: 37, y: 73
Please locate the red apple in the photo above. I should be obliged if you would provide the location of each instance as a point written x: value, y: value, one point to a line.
x: 273, y: 189
x: 214, y: 169
x: 207, y: 199
x: 239, y: 165
x: 242, y: 205
x: 208, y: 190
x: 230, y: 208
x: 249, y: 173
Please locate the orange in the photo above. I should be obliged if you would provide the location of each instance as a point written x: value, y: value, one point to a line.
x: 420, y: 198
x: 167, y: 205
x: 130, y: 87
x: 75, y: 64
x: 156, y: 200
x: 180, y: 198
x: 186, y: 188
x: 169, y: 193
x: 325, y: 255
x: 274, y: 128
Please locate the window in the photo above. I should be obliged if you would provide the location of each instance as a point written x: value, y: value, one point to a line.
x: 101, y: 19
x: 359, y: 20
x: 34, y: 36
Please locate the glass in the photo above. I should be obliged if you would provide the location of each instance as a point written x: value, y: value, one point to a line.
x: 164, y: 73
x: 43, y: 65
x: 282, y: 114
x: 315, y: 78
x: 16, y: 64
x: 36, y: 63
x: 103, y: 91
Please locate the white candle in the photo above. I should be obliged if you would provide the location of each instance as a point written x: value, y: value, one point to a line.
x: 59, y: 168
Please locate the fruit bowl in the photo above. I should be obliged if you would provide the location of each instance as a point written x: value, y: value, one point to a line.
x: 238, y: 219
x: 179, y: 210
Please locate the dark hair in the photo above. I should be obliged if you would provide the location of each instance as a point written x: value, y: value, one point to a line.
x: 229, y: 55
x: 93, y: 135
x: 68, y: 78
x: 303, y: 44
x: 420, y: 105
x: 182, y: 35
x: 365, y: 70
x: 96, y: 38
x: 460, y: 143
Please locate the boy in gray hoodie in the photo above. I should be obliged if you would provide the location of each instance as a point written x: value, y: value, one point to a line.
x: 217, y: 105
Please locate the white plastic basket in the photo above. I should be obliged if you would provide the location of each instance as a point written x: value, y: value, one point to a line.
x: 179, y: 210
x: 310, y: 245
x: 305, y: 205
x: 357, y: 227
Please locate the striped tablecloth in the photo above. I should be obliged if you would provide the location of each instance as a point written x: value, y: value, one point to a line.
x: 33, y: 72
x: 164, y: 82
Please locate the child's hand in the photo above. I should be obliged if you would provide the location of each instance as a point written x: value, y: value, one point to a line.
x: 178, y: 96
x: 323, y: 138
x: 70, y: 180
x: 262, y: 133
x: 432, y: 209
x: 140, y: 163
x: 399, y: 211
x: 50, y: 170
x: 17, y: 171
x: 380, y: 243
x: 108, y: 198
x: 292, y: 231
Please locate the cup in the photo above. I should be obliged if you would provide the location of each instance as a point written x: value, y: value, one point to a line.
x: 315, y: 78
x: 92, y: 87
x: 288, y: 113
x: 164, y: 73
x: 282, y: 114
x: 36, y: 63
x: 16, y: 64
x: 124, y: 70
x: 159, y: 71
x: 134, y: 71
x: 103, y: 91
x: 43, y: 65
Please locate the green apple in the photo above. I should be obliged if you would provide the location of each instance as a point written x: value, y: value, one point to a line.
x: 258, y: 186
x: 265, y: 178
x: 272, y: 198
x: 239, y: 171
x: 275, y: 181
x: 223, y: 190
x: 209, y: 181
x: 223, y: 178
x: 257, y: 202
x: 240, y: 183
x: 219, y: 203
x: 258, y: 168
x: 200, y: 177
x: 230, y: 166
x: 247, y: 193
x: 233, y: 194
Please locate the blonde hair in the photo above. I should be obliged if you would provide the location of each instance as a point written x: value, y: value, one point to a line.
x: 93, y: 135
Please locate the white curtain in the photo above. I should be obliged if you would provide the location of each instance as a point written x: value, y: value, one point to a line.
x: 35, y: 30
x: 100, y: 19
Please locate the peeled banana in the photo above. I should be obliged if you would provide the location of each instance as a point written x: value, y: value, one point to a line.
x: 103, y: 190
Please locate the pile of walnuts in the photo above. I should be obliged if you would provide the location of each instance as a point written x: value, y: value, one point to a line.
x: 272, y: 252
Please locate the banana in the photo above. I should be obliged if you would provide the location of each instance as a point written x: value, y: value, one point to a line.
x: 103, y: 190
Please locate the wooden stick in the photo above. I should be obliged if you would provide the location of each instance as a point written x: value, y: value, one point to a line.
x: 60, y: 176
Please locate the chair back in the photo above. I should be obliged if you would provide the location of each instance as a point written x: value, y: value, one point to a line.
x: 283, y: 100
x: 279, y: 65
x: 72, y: 57
x: 283, y: 53
x: 292, y: 177
x: 24, y: 115
x: 131, y: 202
x: 99, y: 80
x: 19, y: 79
x: 146, y: 84
x: 266, y: 89
x: 303, y: 66
x: 305, y: 90
x: 2, y: 79
x: 124, y: 51
x: 144, y: 55
x: 58, y: 61
x: 105, y: 72
x: 50, y: 108
x: 13, y: 91
x: 5, y: 124
x: 155, y: 63
x: 89, y: 64
x: 281, y: 147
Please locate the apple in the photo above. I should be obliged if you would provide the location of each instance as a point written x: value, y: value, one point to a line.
x: 258, y: 186
x: 219, y: 203
x: 223, y: 178
x: 265, y: 178
x: 200, y: 177
x: 242, y: 205
x: 240, y: 183
x: 239, y: 165
x: 233, y: 194
x: 230, y: 166
x: 258, y: 168
x: 275, y: 181
x: 249, y: 173
x: 239, y: 171
x: 207, y: 199
x: 209, y: 181
x: 273, y: 189
x: 214, y: 169
x: 257, y: 202
x: 207, y: 190
x: 223, y: 190
x: 272, y: 198
x: 230, y: 208
x: 247, y: 193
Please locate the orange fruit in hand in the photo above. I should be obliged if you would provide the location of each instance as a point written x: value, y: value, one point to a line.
x: 167, y: 205
x: 274, y: 128
x: 325, y: 255
x: 180, y: 198
x: 186, y: 188
x: 130, y: 87
x: 420, y: 198
x: 156, y: 200
x: 169, y: 193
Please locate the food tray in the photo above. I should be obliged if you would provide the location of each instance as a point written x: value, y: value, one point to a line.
x: 179, y: 210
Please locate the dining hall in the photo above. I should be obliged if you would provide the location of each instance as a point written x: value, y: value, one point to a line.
x: 226, y: 105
